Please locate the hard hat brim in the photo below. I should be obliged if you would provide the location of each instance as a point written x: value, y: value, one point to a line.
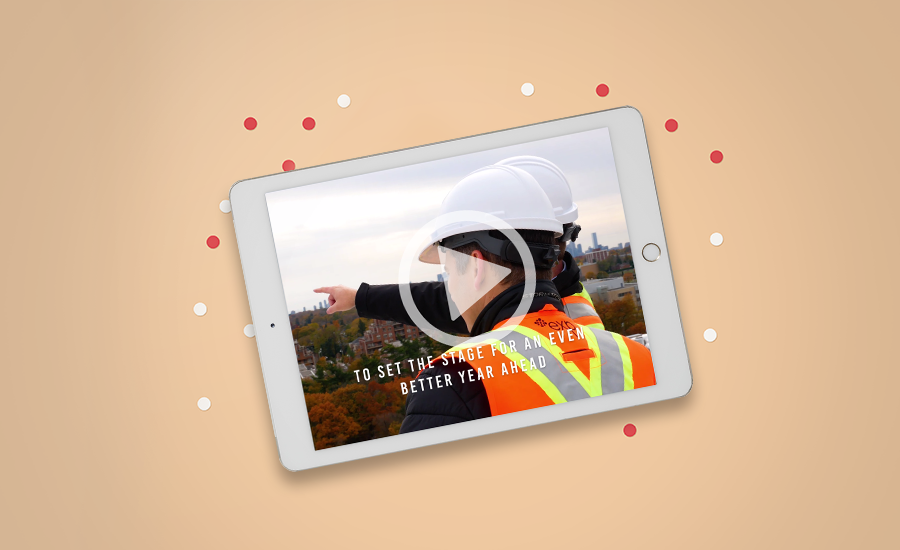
x: 429, y: 254
x: 570, y: 216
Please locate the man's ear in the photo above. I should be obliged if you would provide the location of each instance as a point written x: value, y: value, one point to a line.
x: 480, y: 273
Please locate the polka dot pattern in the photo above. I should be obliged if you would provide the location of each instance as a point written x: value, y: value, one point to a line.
x: 309, y: 123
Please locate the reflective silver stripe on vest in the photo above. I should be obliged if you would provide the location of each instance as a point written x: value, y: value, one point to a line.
x: 576, y: 310
x: 612, y: 374
x: 556, y: 373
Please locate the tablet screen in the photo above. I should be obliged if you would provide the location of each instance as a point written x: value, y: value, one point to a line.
x: 460, y: 289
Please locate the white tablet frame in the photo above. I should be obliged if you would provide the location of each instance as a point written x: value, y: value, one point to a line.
x: 267, y: 299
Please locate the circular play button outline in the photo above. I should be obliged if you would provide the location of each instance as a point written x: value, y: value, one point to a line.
x: 488, y: 221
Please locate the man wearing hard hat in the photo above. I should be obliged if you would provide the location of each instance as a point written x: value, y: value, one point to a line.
x: 538, y: 359
x: 566, y: 273
x: 383, y: 301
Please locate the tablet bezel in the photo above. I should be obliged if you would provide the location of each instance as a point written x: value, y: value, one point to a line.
x: 266, y: 295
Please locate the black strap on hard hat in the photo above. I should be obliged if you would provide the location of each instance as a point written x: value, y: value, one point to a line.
x: 544, y: 255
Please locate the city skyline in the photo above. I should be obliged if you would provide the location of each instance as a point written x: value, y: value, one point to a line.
x: 322, y: 304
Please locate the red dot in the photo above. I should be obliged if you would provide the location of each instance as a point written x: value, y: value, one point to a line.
x: 250, y: 123
x: 602, y: 90
x: 309, y: 123
x: 716, y: 156
x: 288, y: 165
x: 212, y: 241
x: 671, y: 125
x: 630, y: 430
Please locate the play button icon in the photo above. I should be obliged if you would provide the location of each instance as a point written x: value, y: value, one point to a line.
x: 467, y: 279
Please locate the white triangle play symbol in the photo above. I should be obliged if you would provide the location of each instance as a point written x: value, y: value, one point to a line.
x: 464, y: 292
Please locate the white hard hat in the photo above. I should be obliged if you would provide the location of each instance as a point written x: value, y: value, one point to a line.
x: 552, y: 181
x: 506, y: 192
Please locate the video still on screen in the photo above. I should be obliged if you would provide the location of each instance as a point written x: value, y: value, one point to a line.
x: 460, y: 289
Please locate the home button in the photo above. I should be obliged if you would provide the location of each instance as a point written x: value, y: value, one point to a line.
x: 650, y: 252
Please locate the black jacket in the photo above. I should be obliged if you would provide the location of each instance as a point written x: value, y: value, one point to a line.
x: 383, y: 301
x: 431, y: 406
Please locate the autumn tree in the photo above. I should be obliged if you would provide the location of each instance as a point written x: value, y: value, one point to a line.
x: 356, y: 412
x: 303, y: 334
x: 619, y: 316
x: 311, y: 385
x: 637, y: 328
x: 331, y: 376
x: 331, y: 425
x: 408, y: 349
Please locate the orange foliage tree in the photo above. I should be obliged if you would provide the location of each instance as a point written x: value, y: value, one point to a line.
x: 620, y: 316
x: 356, y: 412
x: 331, y: 425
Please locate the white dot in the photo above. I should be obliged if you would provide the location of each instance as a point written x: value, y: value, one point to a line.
x: 527, y: 88
x: 344, y: 101
x: 710, y: 335
x: 716, y: 239
x: 249, y: 331
x: 204, y: 403
x: 200, y: 309
x: 225, y: 206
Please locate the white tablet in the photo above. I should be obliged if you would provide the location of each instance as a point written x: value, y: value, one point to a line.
x: 460, y: 288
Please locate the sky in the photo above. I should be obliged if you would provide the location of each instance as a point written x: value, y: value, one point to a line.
x: 355, y: 230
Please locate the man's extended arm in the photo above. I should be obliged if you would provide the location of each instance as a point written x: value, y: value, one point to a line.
x: 384, y: 302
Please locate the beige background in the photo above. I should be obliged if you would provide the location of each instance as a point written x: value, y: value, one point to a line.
x: 122, y: 131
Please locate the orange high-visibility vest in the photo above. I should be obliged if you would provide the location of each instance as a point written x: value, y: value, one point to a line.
x: 580, y: 309
x: 548, y: 358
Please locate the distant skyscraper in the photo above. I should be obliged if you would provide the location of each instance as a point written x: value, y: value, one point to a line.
x: 628, y: 244
x: 293, y: 312
x: 620, y: 246
x: 304, y: 308
x: 594, y: 237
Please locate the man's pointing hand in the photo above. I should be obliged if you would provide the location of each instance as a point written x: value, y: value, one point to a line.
x: 340, y: 298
